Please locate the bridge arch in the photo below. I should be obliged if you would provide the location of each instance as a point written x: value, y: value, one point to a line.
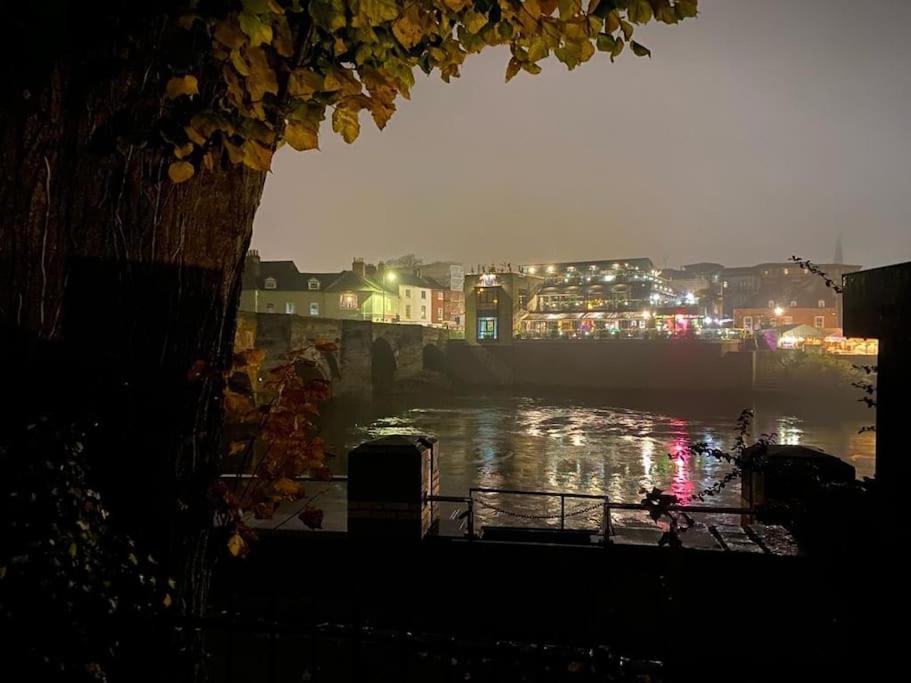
x: 382, y: 364
x: 433, y: 358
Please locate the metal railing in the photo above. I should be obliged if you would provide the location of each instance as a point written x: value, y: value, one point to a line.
x: 471, y: 503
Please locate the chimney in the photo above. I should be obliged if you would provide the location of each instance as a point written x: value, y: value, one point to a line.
x: 359, y: 267
x: 371, y: 271
x: 251, y: 264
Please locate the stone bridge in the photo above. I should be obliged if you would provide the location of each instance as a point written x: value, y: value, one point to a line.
x: 369, y: 358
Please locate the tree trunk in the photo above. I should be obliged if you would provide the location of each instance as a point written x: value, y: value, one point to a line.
x: 115, y: 281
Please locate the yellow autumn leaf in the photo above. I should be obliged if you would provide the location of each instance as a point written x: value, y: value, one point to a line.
x: 167, y: 600
x: 381, y: 111
x: 611, y: 22
x: 407, y: 28
x: 537, y: 49
x: 474, y: 21
x: 228, y: 33
x: 237, y: 546
x: 587, y: 50
x: 235, y: 152
x: 235, y: 88
x: 256, y: 156
x: 640, y: 11
x: 304, y: 83
x: 282, y: 41
x: 332, y: 82
x: 194, y: 135
x: 256, y: 30
x: 180, y: 171
x: 301, y: 137
x: 457, y: 5
x: 182, y: 151
x: 237, y: 59
x: 345, y: 122
x: 532, y: 8
x: 262, y: 78
x: 181, y: 85
x: 374, y: 12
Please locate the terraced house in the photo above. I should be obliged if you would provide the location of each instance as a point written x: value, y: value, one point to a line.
x: 280, y: 287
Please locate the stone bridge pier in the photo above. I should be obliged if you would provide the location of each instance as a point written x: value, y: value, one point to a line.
x: 369, y: 358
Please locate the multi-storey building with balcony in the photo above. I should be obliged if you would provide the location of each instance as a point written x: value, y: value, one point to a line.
x: 586, y: 298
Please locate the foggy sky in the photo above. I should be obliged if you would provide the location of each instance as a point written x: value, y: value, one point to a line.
x: 760, y: 129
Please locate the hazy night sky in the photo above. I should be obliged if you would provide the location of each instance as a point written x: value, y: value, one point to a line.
x: 760, y: 129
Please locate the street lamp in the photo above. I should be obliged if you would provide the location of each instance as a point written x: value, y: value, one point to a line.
x: 778, y: 311
x: 390, y: 277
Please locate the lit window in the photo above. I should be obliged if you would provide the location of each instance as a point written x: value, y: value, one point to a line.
x: 725, y: 284
x: 439, y: 314
x: 771, y: 304
x: 748, y: 323
x: 819, y: 322
x: 821, y: 303
x: 347, y: 301
x: 439, y: 296
x: 793, y: 303
x: 312, y: 283
x: 314, y: 309
x: 289, y: 307
x: 786, y: 271
x: 270, y: 283
x: 487, y: 329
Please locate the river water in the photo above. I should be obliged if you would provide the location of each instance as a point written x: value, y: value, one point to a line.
x: 614, y: 445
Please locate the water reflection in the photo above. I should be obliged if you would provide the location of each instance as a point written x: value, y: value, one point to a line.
x: 587, y: 447
x: 788, y: 431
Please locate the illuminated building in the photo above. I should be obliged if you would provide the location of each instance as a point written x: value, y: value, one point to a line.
x: 495, y: 303
x: 597, y: 298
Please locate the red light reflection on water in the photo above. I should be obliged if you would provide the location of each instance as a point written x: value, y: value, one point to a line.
x: 682, y: 485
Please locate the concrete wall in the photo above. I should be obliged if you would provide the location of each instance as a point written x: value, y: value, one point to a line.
x: 622, y: 364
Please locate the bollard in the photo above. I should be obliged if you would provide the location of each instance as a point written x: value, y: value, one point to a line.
x: 389, y: 482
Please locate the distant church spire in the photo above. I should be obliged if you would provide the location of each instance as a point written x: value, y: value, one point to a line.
x: 839, y: 255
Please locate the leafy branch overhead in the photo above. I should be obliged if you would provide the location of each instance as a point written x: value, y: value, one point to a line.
x: 262, y: 73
